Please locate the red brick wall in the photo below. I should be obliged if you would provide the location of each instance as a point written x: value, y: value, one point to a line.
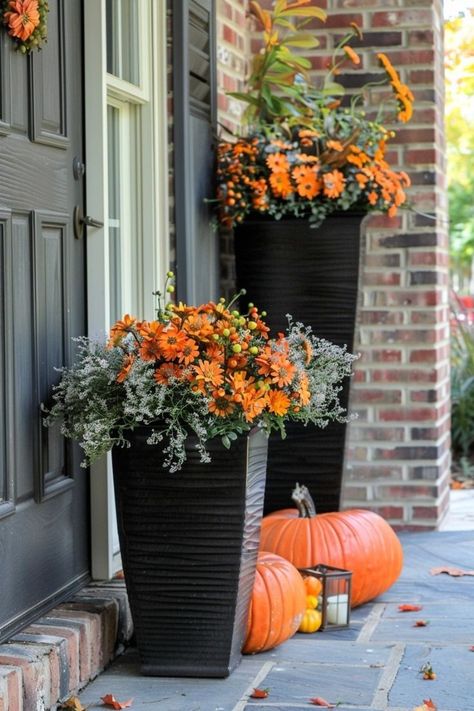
x: 397, y: 458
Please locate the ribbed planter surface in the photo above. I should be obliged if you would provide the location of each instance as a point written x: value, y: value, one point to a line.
x: 287, y: 267
x: 189, y: 543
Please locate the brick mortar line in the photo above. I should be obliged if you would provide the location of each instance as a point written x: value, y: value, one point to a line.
x: 389, y: 675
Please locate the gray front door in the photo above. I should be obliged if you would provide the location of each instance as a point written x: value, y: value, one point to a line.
x: 44, y: 515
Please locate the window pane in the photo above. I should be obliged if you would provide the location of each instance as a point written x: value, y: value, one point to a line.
x: 115, y: 266
x: 122, y: 40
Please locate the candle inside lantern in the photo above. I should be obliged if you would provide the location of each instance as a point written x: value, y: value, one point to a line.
x: 337, y: 608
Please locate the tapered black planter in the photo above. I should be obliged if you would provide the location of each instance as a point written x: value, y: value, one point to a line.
x: 287, y: 267
x: 189, y: 543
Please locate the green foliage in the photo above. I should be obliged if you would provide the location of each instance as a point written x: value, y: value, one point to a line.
x: 462, y: 384
x: 459, y: 40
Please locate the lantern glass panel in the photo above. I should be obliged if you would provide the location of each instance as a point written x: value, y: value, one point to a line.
x: 335, y: 596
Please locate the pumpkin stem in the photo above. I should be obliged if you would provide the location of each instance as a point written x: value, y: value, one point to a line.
x: 304, y: 501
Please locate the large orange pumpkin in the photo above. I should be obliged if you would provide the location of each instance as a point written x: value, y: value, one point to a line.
x: 357, y: 540
x: 277, y: 606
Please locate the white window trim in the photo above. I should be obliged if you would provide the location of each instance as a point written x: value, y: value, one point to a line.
x: 153, y: 219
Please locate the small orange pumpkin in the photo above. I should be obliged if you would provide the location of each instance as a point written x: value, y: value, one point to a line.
x: 357, y: 540
x: 277, y: 606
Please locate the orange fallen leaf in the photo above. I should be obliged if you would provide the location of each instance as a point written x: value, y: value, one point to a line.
x: 455, y: 572
x: 318, y: 701
x: 427, y: 705
x: 455, y: 484
x: 259, y: 694
x: 119, y: 575
x: 421, y: 623
x: 110, y: 701
x: 471, y: 649
x: 410, y: 608
x: 73, y: 703
x: 427, y: 671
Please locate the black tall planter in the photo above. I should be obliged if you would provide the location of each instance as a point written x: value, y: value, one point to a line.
x: 287, y: 267
x: 189, y: 543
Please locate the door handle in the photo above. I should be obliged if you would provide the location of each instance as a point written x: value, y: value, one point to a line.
x: 79, y: 220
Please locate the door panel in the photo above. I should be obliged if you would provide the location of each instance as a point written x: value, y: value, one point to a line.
x: 44, y: 512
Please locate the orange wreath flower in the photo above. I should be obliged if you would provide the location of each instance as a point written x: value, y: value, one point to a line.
x: 22, y: 19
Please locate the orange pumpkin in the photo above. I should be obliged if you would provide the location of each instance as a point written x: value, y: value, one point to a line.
x: 357, y: 540
x: 277, y: 606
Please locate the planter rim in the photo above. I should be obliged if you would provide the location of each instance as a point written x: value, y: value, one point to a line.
x: 264, y: 217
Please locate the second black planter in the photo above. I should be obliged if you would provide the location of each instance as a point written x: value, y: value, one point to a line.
x: 287, y: 267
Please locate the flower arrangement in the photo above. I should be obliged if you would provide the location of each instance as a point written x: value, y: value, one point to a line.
x: 307, y: 151
x: 26, y: 22
x: 208, y: 370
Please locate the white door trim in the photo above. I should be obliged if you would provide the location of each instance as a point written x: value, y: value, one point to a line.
x: 153, y: 223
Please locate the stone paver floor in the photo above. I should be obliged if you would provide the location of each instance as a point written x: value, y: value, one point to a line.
x: 372, y: 666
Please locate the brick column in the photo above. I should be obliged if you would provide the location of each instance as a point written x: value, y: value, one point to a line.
x: 397, y: 458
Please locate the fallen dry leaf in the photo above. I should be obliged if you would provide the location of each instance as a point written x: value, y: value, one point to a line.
x: 410, y: 608
x: 73, y: 703
x: 318, y: 701
x: 455, y: 572
x: 427, y: 705
x: 119, y: 575
x: 110, y: 701
x: 259, y: 694
x: 471, y: 649
x: 427, y: 671
x: 421, y: 623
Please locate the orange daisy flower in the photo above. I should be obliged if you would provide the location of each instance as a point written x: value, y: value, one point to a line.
x: 23, y: 18
x: 333, y: 183
x: 362, y: 179
x: 308, y: 185
x: 171, y: 342
x: 208, y: 372
x: 127, y: 365
x: 278, y: 402
x: 189, y: 352
x: 281, y: 185
x: 198, y: 326
x: 221, y: 404
x: 278, y: 163
x: 120, y: 329
x: 283, y: 373
x: 335, y: 145
x: 253, y: 403
x: 372, y: 197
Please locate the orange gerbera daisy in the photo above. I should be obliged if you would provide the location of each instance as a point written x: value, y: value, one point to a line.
x: 281, y: 185
x: 23, y: 18
x: 278, y: 402
x: 253, y: 403
x: 150, y: 349
x: 361, y: 179
x: 120, y: 329
x: 127, y: 365
x: 208, y: 372
x: 199, y: 326
x: 372, y: 197
x: 283, y: 373
x: 221, y: 404
x: 171, y: 342
x: 307, y: 183
x: 333, y: 183
x: 189, y: 352
x: 278, y: 163
x: 335, y: 145
x: 239, y: 382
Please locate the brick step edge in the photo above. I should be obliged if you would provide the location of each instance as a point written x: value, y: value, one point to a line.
x: 57, y: 655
